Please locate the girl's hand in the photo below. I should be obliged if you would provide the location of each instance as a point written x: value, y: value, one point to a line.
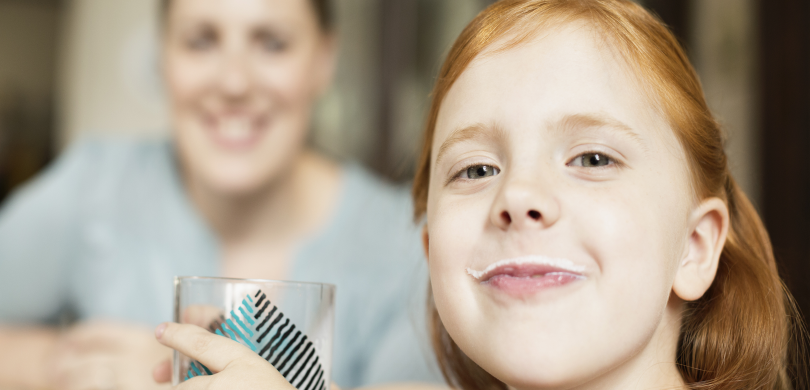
x: 235, y: 366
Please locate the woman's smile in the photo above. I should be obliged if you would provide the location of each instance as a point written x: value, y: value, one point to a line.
x: 236, y: 132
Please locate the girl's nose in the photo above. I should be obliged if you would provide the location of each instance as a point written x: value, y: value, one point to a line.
x: 525, y: 205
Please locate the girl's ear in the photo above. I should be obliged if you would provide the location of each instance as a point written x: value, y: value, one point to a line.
x: 708, y: 228
x: 426, y: 242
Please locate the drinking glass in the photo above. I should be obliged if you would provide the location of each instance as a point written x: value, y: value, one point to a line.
x: 289, y: 324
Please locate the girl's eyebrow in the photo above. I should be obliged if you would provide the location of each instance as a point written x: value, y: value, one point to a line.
x: 477, y: 132
x: 572, y: 122
x: 495, y: 134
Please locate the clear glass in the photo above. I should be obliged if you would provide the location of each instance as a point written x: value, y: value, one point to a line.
x: 290, y: 324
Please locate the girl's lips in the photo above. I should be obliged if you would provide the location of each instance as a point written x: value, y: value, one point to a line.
x: 528, y: 275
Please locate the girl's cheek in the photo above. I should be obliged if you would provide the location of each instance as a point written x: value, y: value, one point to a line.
x: 453, y: 234
x: 615, y: 225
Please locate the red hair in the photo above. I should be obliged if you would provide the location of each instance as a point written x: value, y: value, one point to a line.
x: 740, y: 334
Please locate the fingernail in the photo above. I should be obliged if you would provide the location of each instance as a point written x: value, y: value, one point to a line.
x: 160, y: 329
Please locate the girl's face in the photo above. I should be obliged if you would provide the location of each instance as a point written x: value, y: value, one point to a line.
x: 558, y: 215
x: 243, y: 76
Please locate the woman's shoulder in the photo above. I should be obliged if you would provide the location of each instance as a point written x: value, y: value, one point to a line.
x: 95, y: 175
x: 107, y: 162
x: 374, y: 219
x: 107, y: 152
x: 91, y: 161
x: 371, y: 192
x: 373, y: 208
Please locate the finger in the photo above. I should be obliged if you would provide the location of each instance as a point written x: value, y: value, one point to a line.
x: 201, y: 383
x: 163, y: 371
x: 216, y: 352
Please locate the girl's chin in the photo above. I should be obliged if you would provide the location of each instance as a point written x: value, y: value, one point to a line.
x: 530, y: 377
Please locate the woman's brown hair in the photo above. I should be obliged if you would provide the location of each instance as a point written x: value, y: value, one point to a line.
x: 744, y: 332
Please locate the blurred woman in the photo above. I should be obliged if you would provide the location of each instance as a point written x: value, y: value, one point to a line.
x: 236, y: 192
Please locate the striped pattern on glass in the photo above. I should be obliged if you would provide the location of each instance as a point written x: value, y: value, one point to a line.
x: 262, y: 327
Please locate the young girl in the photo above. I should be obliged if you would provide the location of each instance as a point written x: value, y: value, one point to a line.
x: 583, y: 230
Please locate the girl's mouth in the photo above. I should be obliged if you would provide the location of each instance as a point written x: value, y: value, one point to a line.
x: 524, y: 276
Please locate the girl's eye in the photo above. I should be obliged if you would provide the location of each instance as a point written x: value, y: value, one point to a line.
x: 479, y: 172
x: 592, y: 160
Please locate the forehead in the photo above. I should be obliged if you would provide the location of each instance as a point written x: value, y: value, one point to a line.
x: 242, y: 10
x: 566, y: 70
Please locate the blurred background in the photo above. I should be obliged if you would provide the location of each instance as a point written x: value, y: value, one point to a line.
x: 69, y: 68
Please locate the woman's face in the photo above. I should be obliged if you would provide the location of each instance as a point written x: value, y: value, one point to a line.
x: 243, y: 76
x: 557, y: 214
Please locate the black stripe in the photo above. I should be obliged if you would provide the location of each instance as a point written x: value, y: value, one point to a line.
x: 259, y: 313
x: 309, y: 370
x: 290, y: 344
x: 217, y: 323
x: 321, y: 385
x: 315, y: 377
x: 257, y: 293
x: 270, y: 327
x: 280, y: 341
x: 275, y: 336
x: 304, y: 364
x: 261, y: 299
x: 309, y: 344
x: 266, y: 318
x: 290, y: 356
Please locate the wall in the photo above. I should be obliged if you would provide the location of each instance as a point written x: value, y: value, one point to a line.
x: 109, y: 78
x: 724, y: 51
x: 28, y: 31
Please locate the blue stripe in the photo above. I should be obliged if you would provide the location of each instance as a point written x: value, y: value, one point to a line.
x: 238, y: 321
x: 245, y: 339
x: 196, y: 370
x: 233, y: 336
x: 247, y: 317
x: 245, y: 304
x: 220, y: 333
x: 251, y: 299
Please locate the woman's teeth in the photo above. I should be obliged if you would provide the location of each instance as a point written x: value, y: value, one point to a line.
x: 235, y: 130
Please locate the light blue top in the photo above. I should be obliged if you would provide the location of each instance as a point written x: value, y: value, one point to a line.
x: 103, y: 232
